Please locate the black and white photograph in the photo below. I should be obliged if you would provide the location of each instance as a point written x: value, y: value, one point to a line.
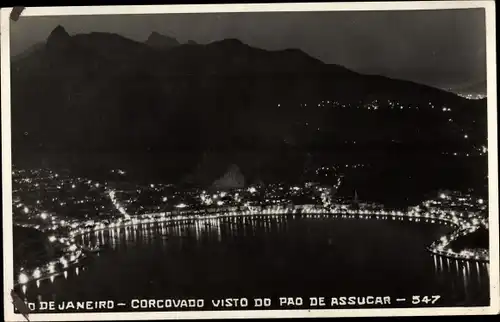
x: 294, y: 160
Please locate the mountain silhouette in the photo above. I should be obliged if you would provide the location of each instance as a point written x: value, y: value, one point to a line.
x: 58, y: 36
x: 104, y: 98
x: 159, y: 41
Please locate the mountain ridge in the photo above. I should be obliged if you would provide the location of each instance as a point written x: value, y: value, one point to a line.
x: 98, y: 92
x: 61, y: 32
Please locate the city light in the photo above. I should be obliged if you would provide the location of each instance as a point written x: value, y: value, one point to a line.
x: 36, y: 273
x: 63, y: 261
x: 23, y: 278
x: 462, y: 212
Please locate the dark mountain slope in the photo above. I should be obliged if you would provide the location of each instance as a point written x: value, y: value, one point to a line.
x: 116, y: 101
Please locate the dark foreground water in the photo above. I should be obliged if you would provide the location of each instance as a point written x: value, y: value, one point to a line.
x: 264, y: 256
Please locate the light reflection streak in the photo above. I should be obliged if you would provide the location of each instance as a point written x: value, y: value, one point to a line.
x: 197, y: 231
x: 464, y: 276
x: 219, y: 233
x: 478, y: 273
x: 461, y: 276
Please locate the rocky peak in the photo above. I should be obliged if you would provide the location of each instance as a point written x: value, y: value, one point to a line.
x: 59, y: 33
x: 58, y: 37
x: 161, y: 41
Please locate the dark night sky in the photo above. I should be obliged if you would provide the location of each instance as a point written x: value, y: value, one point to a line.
x: 443, y: 48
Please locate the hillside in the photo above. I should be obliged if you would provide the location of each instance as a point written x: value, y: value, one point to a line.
x: 101, y: 99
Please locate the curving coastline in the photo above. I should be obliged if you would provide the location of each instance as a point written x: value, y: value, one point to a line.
x: 441, y: 247
x: 71, y: 258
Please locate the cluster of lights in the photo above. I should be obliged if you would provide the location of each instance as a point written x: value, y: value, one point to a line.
x: 373, y: 105
x: 277, y: 202
x: 116, y: 204
x: 51, y: 224
x: 465, y: 225
x: 72, y: 256
x: 413, y: 214
x: 327, y: 208
x: 210, y: 199
x: 53, y: 184
x: 357, y: 165
x: 472, y: 96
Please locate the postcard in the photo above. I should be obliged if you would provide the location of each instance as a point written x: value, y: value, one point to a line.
x: 249, y: 161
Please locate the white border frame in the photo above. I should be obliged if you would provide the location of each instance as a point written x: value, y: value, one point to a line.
x: 489, y: 7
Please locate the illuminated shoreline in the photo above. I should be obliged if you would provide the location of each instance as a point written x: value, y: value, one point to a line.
x: 440, y: 247
x: 53, y: 267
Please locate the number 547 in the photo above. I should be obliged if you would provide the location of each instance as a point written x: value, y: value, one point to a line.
x: 417, y: 299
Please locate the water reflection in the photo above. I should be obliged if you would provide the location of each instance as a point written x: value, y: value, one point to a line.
x: 467, y: 278
x: 308, y: 249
